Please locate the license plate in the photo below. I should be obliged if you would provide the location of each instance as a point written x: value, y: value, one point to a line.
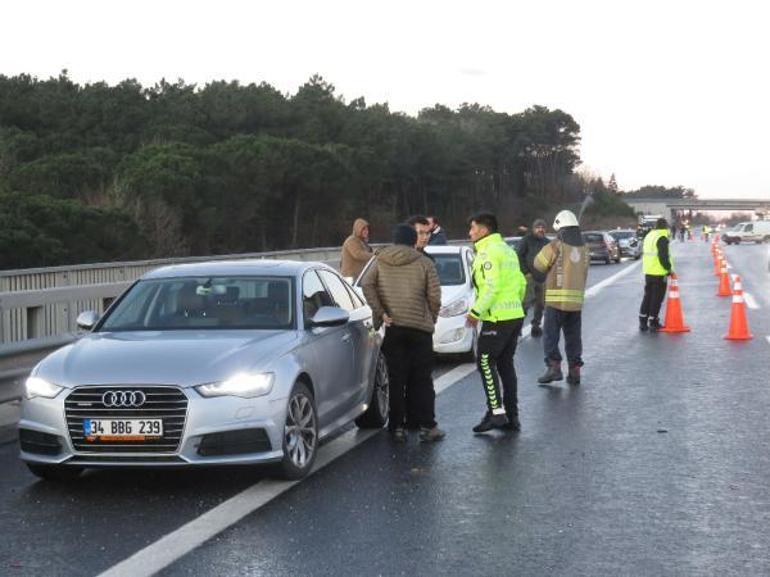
x: 107, y: 430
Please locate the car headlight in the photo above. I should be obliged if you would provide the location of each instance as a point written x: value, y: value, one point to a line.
x: 455, y: 308
x: 246, y: 385
x: 37, y: 387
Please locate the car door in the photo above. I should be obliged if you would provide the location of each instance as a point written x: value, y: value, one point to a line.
x: 360, y: 326
x: 333, y: 352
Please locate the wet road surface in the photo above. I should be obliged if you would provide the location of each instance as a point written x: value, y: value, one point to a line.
x: 656, y: 465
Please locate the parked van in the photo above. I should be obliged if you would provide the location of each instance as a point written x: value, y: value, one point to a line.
x: 757, y: 231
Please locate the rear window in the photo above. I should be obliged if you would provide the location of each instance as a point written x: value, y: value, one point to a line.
x: 593, y: 237
x: 618, y: 234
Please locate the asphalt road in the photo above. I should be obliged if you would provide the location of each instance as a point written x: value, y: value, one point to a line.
x: 656, y: 465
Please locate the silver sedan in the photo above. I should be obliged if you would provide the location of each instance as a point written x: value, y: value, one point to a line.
x: 242, y: 362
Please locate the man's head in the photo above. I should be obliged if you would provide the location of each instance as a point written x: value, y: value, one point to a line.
x: 404, y: 234
x: 433, y: 222
x: 421, y: 226
x: 361, y: 229
x: 482, y: 224
x: 564, y: 219
x: 661, y: 223
x: 538, y: 228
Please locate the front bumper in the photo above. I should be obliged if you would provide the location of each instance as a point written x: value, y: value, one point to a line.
x: 452, y: 336
x: 210, y: 424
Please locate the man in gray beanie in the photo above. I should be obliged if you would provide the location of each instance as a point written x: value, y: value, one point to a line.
x: 527, y: 250
x: 404, y: 293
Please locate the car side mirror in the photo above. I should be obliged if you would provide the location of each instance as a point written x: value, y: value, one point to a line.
x: 330, y: 317
x: 87, y: 319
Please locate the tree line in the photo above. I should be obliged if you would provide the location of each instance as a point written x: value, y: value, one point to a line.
x: 97, y: 172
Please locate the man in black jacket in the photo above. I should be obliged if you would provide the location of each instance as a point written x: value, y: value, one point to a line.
x: 527, y: 250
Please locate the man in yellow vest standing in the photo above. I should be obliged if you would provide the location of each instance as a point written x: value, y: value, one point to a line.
x: 657, y: 265
x: 500, y: 288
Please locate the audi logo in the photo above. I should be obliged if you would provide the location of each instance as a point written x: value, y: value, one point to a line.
x: 125, y: 399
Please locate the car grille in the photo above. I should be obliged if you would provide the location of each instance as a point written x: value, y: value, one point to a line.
x: 162, y: 402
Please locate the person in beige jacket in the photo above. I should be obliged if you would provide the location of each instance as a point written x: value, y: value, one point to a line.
x: 356, y: 251
x: 404, y: 293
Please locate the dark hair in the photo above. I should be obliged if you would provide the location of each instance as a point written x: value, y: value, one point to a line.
x: 418, y: 219
x: 661, y: 223
x: 433, y: 218
x: 404, y: 234
x: 486, y: 219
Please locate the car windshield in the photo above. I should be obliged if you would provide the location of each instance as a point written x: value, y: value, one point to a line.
x: 215, y: 302
x: 450, y: 269
x: 618, y: 234
x: 593, y: 237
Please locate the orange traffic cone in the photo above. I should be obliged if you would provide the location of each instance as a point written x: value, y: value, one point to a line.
x: 724, y: 282
x: 718, y: 264
x: 739, y: 326
x: 674, y: 322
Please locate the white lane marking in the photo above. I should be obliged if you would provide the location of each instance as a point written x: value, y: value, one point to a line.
x: 600, y: 286
x: 751, y: 302
x: 175, y: 545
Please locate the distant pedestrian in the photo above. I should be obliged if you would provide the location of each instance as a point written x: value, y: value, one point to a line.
x: 500, y: 288
x: 564, y: 261
x: 437, y: 234
x: 403, y: 291
x: 657, y: 265
x: 356, y: 251
x: 528, y: 248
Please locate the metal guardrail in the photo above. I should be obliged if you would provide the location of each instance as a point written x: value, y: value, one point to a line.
x: 39, y: 307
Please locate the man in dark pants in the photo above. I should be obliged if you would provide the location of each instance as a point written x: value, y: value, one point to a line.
x: 530, y: 245
x: 657, y: 265
x: 500, y: 287
x: 403, y: 291
x: 564, y: 261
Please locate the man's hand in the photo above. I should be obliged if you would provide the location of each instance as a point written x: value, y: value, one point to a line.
x: 471, y: 321
x: 386, y: 320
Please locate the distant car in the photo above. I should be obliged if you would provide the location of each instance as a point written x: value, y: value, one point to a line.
x: 601, y: 246
x: 217, y: 363
x: 757, y: 231
x: 453, y: 265
x: 628, y: 243
x: 513, y: 241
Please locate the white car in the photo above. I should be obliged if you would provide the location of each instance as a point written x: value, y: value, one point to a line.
x: 452, y: 335
x: 453, y: 264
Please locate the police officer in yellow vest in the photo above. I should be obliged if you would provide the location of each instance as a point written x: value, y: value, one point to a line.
x: 500, y: 288
x: 657, y: 264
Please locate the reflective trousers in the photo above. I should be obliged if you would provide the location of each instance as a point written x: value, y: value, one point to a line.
x: 496, y: 347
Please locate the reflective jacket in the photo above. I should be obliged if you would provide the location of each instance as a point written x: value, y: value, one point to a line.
x: 499, y: 284
x: 565, y: 262
x: 652, y: 262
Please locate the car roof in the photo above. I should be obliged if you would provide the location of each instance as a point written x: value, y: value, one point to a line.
x: 445, y: 248
x: 594, y: 232
x: 247, y: 267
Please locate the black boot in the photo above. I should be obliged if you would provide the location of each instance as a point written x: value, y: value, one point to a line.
x: 643, y: 323
x: 573, y: 377
x: 513, y: 423
x: 490, y: 422
x: 552, y: 373
x: 536, y: 331
x: 655, y: 325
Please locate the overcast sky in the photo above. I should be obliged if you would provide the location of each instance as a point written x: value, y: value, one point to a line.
x: 672, y: 93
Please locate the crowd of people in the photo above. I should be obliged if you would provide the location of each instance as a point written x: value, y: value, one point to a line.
x: 403, y: 290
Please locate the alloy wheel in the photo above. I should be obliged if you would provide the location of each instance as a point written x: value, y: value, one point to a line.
x: 300, y: 431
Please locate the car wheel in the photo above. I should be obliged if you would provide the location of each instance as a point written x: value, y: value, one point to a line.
x: 58, y: 473
x: 300, y: 435
x: 376, y: 415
